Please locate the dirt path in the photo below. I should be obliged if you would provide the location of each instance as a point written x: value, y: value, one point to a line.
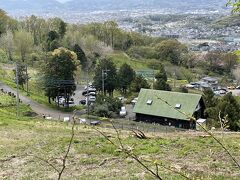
x: 38, y: 108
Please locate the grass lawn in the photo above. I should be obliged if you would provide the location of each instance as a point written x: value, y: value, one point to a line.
x: 119, y: 58
x: 26, y: 140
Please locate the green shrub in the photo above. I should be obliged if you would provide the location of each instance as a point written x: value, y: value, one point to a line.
x: 3, y: 56
x: 107, y: 106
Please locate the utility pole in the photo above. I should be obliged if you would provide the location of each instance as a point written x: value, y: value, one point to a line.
x: 103, y: 82
x: 174, y: 78
x: 88, y: 92
x: 27, y: 79
x: 104, y: 72
x: 17, y: 82
x: 153, y: 78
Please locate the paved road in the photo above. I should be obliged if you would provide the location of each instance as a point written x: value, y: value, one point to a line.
x: 39, y: 109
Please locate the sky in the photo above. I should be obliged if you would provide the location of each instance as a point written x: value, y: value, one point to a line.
x: 63, y: 0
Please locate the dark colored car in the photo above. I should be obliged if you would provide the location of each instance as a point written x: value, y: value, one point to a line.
x: 95, y: 123
x: 83, y: 102
x: 84, y: 93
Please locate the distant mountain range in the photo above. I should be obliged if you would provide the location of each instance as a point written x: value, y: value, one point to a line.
x: 94, y: 5
x: 11, y: 5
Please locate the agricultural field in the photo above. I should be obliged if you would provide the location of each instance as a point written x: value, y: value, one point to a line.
x: 28, y: 143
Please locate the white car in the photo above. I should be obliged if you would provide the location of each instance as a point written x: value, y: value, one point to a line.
x: 123, y: 111
x: 61, y: 100
x: 92, y: 98
x: 134, y: 101
x: 189, y: 86
x: 82, y: 121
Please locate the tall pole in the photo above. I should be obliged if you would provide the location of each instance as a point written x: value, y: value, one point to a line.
x: 88, y: 92
x: 17, y: 81
x: 27, y: 80
x: 103, y: 82
x: 104, y: 72
x: 153, y: 78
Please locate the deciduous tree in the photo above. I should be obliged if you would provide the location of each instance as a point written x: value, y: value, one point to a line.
x: 23, y: 42
x: 171, y: 50
x: 58, y: 73
x: 7, y: 44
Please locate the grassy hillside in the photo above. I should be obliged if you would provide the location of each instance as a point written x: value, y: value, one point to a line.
x: 27, y: 140
x: 119, y: 58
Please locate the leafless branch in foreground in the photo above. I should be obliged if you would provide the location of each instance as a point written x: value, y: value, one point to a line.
x: 205, y: 130
x: 68, y: 150
x: 64, y: 159
x: 129, y: 152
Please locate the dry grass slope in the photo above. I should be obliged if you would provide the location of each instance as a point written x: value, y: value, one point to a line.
x: 24, y: 141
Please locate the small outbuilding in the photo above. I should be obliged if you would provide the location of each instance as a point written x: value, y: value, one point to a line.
x: 169, y: 108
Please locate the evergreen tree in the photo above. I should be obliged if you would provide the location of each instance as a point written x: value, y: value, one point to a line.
x: 225, y: 107
x: 125, y: 76
x: 161, y: 80
x: 138, y: 83
x: 81, y: 56
x: 62, y: 28
x: 106, y: 72
x: 52, y: 41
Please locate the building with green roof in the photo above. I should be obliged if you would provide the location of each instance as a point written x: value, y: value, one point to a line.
x: 169, y: 108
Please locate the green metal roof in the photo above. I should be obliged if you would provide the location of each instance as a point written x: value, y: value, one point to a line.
x: 159, y: 107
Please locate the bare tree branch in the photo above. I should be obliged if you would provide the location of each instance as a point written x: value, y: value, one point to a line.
x: 131, y: 154
x: 64, y: 160
x: 205, y: 130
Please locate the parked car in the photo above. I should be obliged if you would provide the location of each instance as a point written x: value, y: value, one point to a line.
x: 92, y: 98
x: 238, y: 87
x: 231, y: 87
x: 71, y: 101
x: 122, y: 99
x: 60, y: 99
x: 134, y: 101
x: 90, y: 94
x: 83, y: 102
x: 95, y: 123
x: 85, y: 92
x: 189, y: 86
x: 123, y: 111
x: 82, y: 121
x: 90, y: 86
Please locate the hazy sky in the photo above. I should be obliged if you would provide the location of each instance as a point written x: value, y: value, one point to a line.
x: 63, y: 0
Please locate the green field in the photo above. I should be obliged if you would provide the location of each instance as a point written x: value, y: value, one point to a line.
x: 25, y: 141
x: 119, y: 58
